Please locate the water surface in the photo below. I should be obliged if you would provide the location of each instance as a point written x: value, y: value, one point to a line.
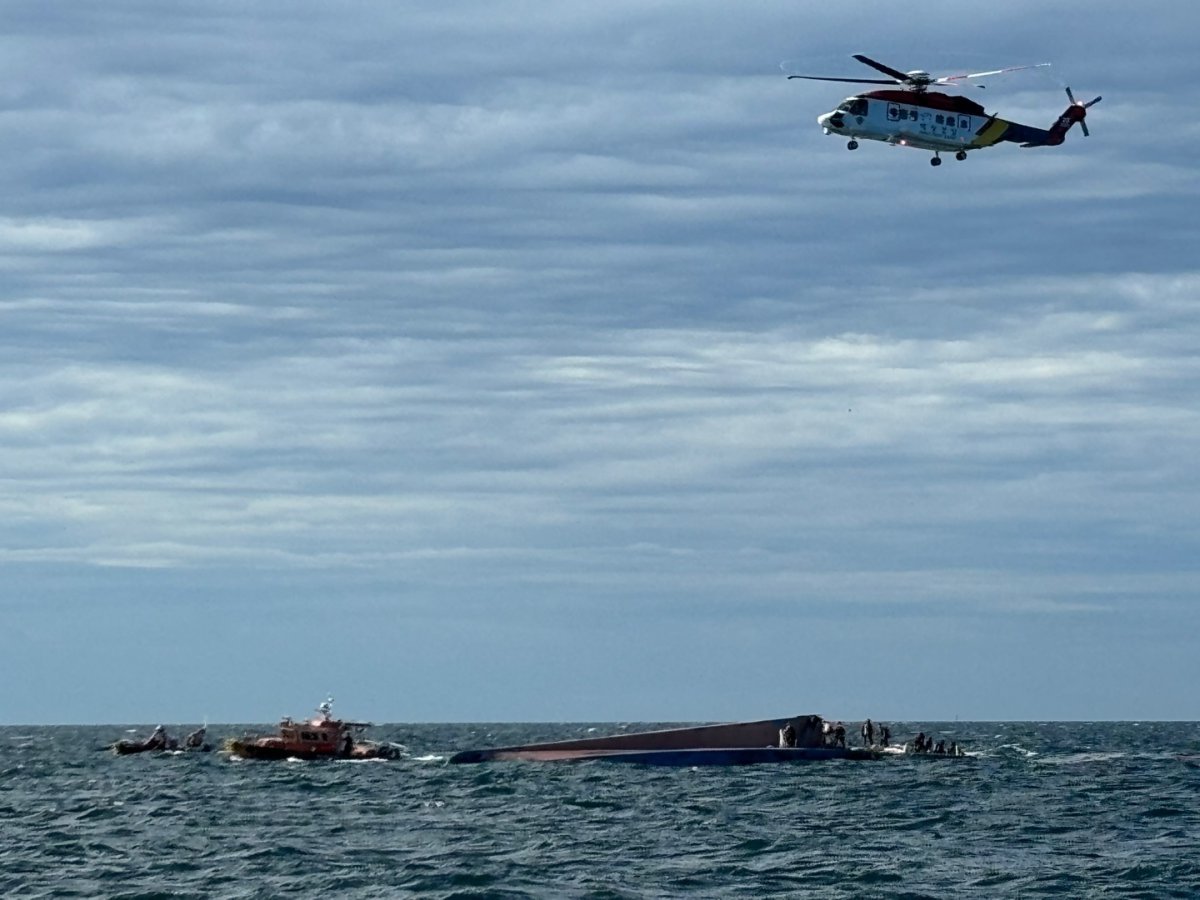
x: 1041, y: 809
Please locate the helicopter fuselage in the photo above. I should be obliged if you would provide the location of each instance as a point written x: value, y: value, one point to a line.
x: 929, y: 121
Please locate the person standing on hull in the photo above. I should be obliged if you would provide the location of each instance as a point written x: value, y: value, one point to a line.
x: 885, y: 735
x: 868, y: 733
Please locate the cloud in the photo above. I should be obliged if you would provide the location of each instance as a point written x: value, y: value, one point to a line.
x: 544, y: 315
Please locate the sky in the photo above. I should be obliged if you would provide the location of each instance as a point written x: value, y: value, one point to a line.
x: 543, y: 361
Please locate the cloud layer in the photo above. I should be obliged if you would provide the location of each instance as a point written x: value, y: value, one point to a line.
x: 553, y: 362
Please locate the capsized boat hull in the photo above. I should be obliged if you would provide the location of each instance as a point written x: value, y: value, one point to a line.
x: 742, y: 740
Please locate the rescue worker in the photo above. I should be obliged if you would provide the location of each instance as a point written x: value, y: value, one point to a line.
x: 157, y: 740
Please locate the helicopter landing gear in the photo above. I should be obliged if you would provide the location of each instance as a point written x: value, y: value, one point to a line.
x: 852, y: 145
x: 936, y: 161
x: 960, y: 155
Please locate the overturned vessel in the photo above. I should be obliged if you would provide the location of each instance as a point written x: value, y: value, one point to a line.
x: 793, y: 739
x: 323, y: 737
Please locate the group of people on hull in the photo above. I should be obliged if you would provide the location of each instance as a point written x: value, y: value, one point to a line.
x: 833, y: 734
x: 868, y: 735
x: 921, y: 743
x: 878, y: 736
x: 810, y: 727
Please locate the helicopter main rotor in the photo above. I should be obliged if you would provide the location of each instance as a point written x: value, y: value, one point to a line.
x: 916, y: 80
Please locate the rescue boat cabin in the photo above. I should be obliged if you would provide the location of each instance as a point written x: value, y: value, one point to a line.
x: 317, y: 735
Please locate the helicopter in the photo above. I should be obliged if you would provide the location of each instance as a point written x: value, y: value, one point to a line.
x: 911, y: 115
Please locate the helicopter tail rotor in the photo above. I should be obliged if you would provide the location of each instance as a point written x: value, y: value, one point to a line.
x: 1082, y: 107
x: 1076, y: 112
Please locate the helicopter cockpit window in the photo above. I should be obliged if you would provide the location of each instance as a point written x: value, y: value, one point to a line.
x: 856, y: 106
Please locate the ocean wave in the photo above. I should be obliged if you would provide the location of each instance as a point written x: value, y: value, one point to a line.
x: 1057, y: 808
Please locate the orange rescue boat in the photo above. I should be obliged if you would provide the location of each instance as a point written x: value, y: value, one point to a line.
x: 323, y: 737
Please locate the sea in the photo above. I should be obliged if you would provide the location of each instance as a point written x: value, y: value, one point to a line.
x: 1037, y: 809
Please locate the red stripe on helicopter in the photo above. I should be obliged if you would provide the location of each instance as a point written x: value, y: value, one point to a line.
x: 929, y: 101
